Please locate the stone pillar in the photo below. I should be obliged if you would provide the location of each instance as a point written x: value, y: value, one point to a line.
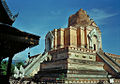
x: 60, y: 38
x: 82, y: 37
x: 78, y: 37
x: 73, y: 37
x: 85, y: 37
x: 100, y: 45
x: 55, y: 38
x: 88, y: 40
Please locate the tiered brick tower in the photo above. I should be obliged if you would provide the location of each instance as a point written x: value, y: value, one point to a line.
x: 72, y: 51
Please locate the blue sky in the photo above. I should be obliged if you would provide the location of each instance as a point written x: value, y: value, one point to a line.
x: 40, y: 16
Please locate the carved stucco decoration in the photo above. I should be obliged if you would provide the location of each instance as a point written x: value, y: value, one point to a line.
x: 48, y: 58
x: 49, y: 41
x: 16, y: 72
x: 19, y: 73
x: 90, y: 35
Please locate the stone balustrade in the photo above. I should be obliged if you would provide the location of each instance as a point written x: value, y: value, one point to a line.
x: 84, y: 50
x: 75, y: 81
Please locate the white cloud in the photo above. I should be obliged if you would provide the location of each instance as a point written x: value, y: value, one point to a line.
x: 55, y: 12
x: 100, y: 15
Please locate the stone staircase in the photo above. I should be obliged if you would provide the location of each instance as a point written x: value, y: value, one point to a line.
x: 34, y: 66
x: 110, y: 63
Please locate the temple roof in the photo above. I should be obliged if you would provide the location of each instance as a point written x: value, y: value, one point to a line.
x: 4, y: 28
x: 13, y: 41
x: 5, y: 14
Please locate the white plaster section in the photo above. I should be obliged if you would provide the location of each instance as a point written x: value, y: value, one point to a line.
x: 49, y: 41
x: 90, y: 35
x: 16, y: 72
x: 19, y: 73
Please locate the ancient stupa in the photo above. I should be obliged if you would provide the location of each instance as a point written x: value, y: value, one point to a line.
x: 74, y: 54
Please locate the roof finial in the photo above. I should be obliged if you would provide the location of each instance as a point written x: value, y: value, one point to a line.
x: 15, y: 16
x: 7, y: 13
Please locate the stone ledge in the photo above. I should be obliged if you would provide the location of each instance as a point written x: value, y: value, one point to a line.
x: 84, y: 61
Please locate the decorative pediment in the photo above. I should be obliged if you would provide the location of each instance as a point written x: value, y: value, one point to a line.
x: 5, y: 14
x: 96, y: 34
x: 49, y: 41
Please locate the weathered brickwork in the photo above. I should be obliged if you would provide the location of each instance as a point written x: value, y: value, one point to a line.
x: 77, y: 56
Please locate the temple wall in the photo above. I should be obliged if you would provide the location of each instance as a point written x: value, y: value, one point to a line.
x: 73, y: 53
x: 76, y: 37
x: 59, y: 56
x: 83, y: 56
x: 62, y: 64
x: 85, y: 66
x: 73, y: 37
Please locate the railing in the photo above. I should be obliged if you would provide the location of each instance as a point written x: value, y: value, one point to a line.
x: 36, y: 62
x: 111, y: 63
x: 31, y: 64
x: 82, y: 49
x: 112, y: 60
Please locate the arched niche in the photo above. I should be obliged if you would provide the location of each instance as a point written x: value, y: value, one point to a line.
x: 94, y: 40
x: 49, y: 41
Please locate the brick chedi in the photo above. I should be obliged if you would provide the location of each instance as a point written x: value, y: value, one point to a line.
x: 80, y: 33
x: 73, y: 52
x: 79, y: 19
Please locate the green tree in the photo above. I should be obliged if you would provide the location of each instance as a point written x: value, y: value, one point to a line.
x: 4, y: 68
x: 4, y: 64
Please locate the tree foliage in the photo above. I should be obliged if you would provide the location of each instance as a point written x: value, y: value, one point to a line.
x: 3, y: 68
x: 4, y: 64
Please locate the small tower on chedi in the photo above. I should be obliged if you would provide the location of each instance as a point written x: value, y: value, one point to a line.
x: 75, y: 52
